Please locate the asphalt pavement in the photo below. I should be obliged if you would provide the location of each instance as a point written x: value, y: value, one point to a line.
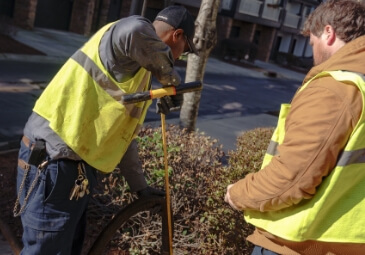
x: 22, y: 78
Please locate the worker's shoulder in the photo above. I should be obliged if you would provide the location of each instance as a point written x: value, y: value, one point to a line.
x: 327, y: 85
x: 134, y: 23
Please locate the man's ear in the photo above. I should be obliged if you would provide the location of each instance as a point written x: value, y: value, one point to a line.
x: 177, y: 34
x: 330, y: 35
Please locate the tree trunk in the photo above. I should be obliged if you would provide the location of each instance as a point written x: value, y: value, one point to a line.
x: 205, y: 39
x: 144, y: 8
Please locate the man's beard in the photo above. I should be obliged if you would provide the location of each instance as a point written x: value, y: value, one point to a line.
x: 321, y: 57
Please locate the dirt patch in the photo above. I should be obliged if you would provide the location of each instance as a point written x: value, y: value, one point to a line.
x: 10, y: 46
x: 8, y: 164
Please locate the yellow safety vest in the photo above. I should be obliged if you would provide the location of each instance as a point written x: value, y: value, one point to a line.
x: 336, y: 213
x: 83, y: 105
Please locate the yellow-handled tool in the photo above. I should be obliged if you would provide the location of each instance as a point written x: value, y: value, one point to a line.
x: 158, y: 93
x: 167, y: 185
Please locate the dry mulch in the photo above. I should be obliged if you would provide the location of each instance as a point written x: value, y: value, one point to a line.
x: 8, y: 163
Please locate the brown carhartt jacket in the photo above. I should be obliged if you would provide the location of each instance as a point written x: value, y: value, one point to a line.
x: 322, y: 117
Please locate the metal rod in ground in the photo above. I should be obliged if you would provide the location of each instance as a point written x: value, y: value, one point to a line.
x: 167, y: 185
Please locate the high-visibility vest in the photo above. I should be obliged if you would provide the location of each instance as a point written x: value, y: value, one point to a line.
x: 83, y: 106
x: 336, y: 213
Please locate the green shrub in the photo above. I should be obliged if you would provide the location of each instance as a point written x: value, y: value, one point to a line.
x: 203, y: 222
x: 250, y: 150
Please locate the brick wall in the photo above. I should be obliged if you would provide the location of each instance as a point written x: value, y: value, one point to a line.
x: 82, y: 16
x: 126, y: 5
x: 224, y: 25
x: 266, y: 43
x: 100, y: 15
x: 247, y: 31
x: 24, y: 13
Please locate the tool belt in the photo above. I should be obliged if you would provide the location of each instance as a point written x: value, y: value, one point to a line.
x: 38, y: 152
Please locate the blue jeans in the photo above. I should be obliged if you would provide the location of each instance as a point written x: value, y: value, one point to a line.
x: 258, y: 250
x: 52, y: 223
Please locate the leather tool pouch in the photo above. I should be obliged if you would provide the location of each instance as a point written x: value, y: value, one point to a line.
x: 38, y: 153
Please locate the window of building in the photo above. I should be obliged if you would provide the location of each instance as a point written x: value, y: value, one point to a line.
x: 227, y: 4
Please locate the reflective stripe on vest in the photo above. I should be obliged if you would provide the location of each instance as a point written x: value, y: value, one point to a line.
x: 339, y: 202
x: 83, y: 105
x: 105, y: 82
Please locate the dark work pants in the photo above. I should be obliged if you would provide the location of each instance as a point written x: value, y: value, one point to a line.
x: 258, y: 250
x: 52, y: 223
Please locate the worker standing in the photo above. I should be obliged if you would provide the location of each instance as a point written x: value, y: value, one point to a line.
x: 308, y: 198
x: 79, y: 125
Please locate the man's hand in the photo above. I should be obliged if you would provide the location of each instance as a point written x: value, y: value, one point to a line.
x: 149, y: 191
x: 169, y: 104
x: 227, y: 198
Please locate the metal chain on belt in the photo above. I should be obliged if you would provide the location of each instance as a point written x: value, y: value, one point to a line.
x: 39, y: 170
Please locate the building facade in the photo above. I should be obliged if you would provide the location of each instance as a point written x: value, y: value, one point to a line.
x: 246, y: 29
x: 270, y: 27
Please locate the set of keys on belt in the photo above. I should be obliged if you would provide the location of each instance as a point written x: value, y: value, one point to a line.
x: 81, y: 183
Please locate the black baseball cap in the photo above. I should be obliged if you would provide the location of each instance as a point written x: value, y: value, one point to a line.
x: 179, y: 17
